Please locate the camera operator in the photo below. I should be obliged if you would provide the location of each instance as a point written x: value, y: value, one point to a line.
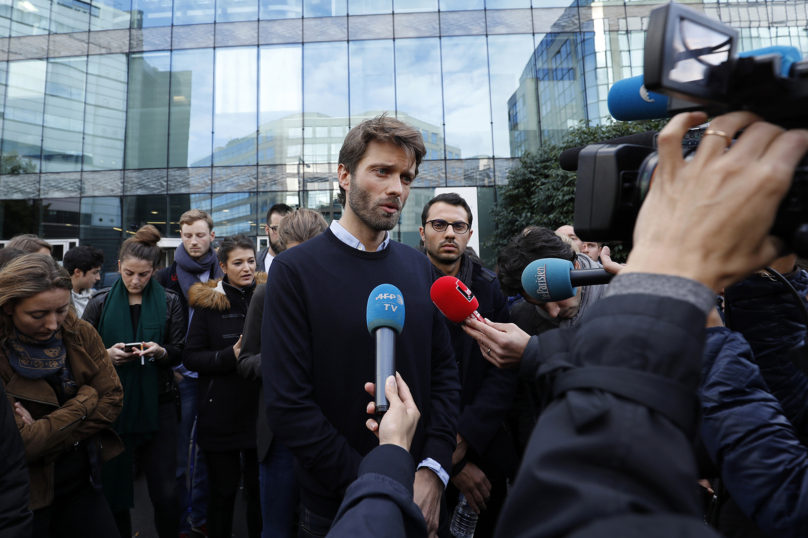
x: 616, y: 441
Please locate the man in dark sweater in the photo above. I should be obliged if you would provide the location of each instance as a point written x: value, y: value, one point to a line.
x: 485, y: 456
x: 315, y: 322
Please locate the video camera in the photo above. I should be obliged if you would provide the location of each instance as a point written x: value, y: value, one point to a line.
x: 693, y: 61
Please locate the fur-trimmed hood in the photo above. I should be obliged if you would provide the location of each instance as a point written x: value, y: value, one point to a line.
x: 210, y: 295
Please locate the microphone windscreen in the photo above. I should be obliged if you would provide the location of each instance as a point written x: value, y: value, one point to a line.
x: 385, y: 308
x: 453, y: 298
x: 568, y: 160
x: 629, y: 101
x: 548, y: 280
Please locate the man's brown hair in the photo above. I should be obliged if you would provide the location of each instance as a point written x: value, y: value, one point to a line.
x: 381, y: 129
x: 189, y: 217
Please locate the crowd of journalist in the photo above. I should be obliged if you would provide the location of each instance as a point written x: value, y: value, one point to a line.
x: 667, y: 402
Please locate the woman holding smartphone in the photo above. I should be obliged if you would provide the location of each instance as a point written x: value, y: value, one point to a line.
x: 137, y: 309
x: 65, y: 396
x: 228, y: 403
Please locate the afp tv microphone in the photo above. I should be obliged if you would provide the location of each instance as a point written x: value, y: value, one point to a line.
x: 385, y: 319
x: 553, y: 279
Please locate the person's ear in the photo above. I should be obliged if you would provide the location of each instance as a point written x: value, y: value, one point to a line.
x: 119, y: 266
x: 577, y: 264
x: 344, y: 178
x: 421, y: 231
x: 223, y: 266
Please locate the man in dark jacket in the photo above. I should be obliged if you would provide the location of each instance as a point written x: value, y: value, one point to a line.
x: 315, y: 316
x: 485, y: 456
x: 16, y: 520
x: 194, y: 261
x: 274, y: 216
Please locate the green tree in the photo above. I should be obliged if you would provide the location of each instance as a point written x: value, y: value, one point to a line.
x: 539, y: 192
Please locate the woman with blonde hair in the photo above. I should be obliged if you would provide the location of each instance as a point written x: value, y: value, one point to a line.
x: 138, y: 310
x: 65, y: 394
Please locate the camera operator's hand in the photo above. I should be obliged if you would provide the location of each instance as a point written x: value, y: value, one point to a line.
x: 502, y: 344
x: 608, y: 264
x: 708, y: 219
x: 401, y: 419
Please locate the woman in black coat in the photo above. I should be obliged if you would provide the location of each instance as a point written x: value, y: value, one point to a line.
x: 227, y: 402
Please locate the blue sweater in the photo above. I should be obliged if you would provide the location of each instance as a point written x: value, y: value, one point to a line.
x: 320, y: 354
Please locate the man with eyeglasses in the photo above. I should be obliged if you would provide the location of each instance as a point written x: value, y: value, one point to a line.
x: 485, y: 456
x: 274, y: 216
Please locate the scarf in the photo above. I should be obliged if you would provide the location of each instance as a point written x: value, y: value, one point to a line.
x: 42, y: 359
x: 140, y: 416
x: 188, y: 269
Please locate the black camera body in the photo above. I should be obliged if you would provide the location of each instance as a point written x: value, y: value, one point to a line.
x: 693, y: 60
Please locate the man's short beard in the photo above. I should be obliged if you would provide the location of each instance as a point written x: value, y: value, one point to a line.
x: 447, y: 259
x: 277, y: 246
x: 361, y: 204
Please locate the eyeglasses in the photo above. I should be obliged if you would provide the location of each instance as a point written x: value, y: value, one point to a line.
x: 273, y: 228
x: 440, y: 225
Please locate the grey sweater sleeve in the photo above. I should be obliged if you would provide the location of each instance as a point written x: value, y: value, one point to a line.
x: 674, y: 287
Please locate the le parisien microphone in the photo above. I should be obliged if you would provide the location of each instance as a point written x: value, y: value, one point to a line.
x: 385, y: 318
x: 454, y: 299
x: 553, y: 279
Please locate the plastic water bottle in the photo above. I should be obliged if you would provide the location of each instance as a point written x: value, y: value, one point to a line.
x: 464, y: 520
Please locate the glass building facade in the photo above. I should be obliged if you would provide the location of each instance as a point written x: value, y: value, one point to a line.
x: 118, y: 113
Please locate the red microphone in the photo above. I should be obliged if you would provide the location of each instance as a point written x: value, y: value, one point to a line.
x: 454, y: 299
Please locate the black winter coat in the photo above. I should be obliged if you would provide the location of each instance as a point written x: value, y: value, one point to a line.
x: 173, y: 336
x: 16, y: 521
x: 228, y: 403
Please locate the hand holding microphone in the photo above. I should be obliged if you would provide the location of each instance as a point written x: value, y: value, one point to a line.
x: 401, y: 419
x: 385, y: 319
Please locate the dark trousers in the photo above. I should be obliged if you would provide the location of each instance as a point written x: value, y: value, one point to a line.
x: 158, y: 459
x: 224, y: 474
x: 312, y: 525
x: 77, y: 510
x: 82, y: 514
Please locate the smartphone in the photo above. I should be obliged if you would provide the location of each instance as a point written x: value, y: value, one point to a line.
x: 129, y: 348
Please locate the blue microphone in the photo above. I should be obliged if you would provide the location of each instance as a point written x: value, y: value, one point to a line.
x: 629, y: 100
x: 552, y: 279
x: 385, y: 318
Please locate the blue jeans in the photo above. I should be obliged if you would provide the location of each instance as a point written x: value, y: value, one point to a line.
x: 279, y: 491
x: 194, y: 502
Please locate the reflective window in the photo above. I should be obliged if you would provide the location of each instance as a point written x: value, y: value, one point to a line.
x: 64, y: 115
x: 147, y: 115
x: 3, y: 73
x: 514, y: 101
x: 30, y: 17
x: 325, y: 100
x: 22, y: 132
x: 194, y: 11
x: 191, y: 108
x: 280, y: 117
x: 324, y: 8
x: 18, y: 217
x: 236, y: 10
x: 418, y: 80
x: 110, y: 14
x: 150, y: 13
x: 101, y: 219
x: 410, y: 6
x: 369, y: 7
x: 561, y: 94
x: 372, y: 79
x: 105, y: 112
x: 407, y: 230
x: 281, y: 9
x: 139, y: 211
x: 234, y: 213
x: 456, y: 5
x: 5, y: 20
x: 466, y: 99
x: 70, y: 16
x: 513, y: 4
x: 60, y: 218
x: 235, y: 106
